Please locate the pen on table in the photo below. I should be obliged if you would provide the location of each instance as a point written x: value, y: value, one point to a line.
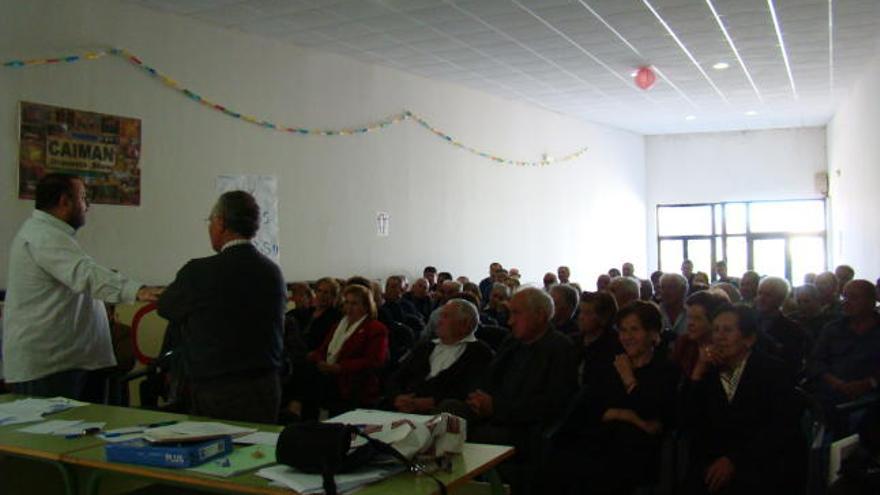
x: 159, y: 423
x: 121, y: 433
x: 85, y: 432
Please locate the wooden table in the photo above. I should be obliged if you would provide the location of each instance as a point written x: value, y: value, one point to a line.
x: 88, y: 452
x: 475, y: 460
x: 52, y: 449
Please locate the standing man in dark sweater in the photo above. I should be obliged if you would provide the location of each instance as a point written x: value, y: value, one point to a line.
x: 231, y: 309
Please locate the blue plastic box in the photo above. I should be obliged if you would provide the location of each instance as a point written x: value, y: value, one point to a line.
x: 175, y: 455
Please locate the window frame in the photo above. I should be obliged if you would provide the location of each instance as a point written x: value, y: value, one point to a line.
x: 749, y: 236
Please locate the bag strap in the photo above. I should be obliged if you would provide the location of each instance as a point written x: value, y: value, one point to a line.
x: 384, y: 448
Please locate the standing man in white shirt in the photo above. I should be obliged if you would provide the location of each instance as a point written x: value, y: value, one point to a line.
x: 56, y: 333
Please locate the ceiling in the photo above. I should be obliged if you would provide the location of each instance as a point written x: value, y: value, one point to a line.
x: 578, y: 57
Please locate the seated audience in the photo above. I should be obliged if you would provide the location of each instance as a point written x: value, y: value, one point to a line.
x: 740, y: 412
x: 784, y: 338
x: 729, y: 290
x: 701, y: 278
x: 687, y: 271
x: 721, y: 273
x: 599, y: 343
x: 303, y: 298
x: 324, y: 315
x: 624, y: 289
x: 565, y: 301
x: 419, y: 297
x: 446, y: 291
x: 845, y: 364
x: 448, y: 367
x: 808, y: 313
x: 396, y: 306
x: 346, y: 366
x: 829, y: 295
x: 429, y: 273
x: 497, y: 307
x: 526, y: 389
x: 748, y: 287
x: 655, y: 281
x: 673, y: 289
x: 564, y: 273
x: 844, y: 274
x: 700, y: 308
x: 474, y: 289
x: 487, y: 283
x: 646, y: 290
x: 610, y: 441
x: 443, y: 277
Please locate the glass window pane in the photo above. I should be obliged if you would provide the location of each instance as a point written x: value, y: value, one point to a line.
x: 684, y: 220
x: 807, y: 255
x: 671, y: 255
x: 737, y: 255
x: 700, y: 252
x: 769, y: 256
x: 787, y: 216
x: 718, y: 220
x: 735, y: 215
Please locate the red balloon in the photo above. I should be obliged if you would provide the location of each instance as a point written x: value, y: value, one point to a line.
x: 645, y: 78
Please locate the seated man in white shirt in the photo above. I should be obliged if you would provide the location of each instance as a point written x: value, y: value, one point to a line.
x: 56, y: 333
x: 447, y: 367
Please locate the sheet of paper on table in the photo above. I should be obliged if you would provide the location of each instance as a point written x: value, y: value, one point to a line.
x: 258, y: 438
x: 240, y: 461
x: 194, y: 430
x: 307, y: 484
x: 32, y: 409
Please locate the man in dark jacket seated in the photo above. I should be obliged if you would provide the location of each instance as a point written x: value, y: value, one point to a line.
x: 527, y: 388
x: 786, y: 339
x: 447, y: 367
x: 740, y: 410
x: 845, y: 364
x: 395, y: 306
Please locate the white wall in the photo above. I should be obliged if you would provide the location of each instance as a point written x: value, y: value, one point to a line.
x: 731, y: 166
x: 447, y: 208
x: 854, y: 172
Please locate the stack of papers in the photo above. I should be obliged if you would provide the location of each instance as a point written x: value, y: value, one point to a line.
x: 33, y: 409
x: 191, y: 431
x: 307, y: 484
x: 62, y: 427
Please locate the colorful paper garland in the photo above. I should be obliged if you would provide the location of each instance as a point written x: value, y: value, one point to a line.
x: 192, y: 95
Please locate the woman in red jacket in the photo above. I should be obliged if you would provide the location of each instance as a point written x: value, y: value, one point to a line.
x: 349, y: 360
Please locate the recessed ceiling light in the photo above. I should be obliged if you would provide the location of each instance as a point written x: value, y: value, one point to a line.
x: 690, y: 117
x: 721, y: 66
x: 751, y: 113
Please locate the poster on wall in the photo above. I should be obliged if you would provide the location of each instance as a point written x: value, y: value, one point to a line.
x: 264, y: 188
x: 102, y: 149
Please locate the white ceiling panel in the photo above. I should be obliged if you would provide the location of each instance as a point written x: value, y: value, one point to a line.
x: 578, y: 56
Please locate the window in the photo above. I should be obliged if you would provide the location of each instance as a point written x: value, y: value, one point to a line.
x: 780, y: 238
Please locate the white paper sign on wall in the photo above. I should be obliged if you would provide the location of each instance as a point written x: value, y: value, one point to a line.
x: 264, y: 188
x: 383, y: 220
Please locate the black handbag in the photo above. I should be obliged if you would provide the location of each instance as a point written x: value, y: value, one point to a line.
x: 325, y: 449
